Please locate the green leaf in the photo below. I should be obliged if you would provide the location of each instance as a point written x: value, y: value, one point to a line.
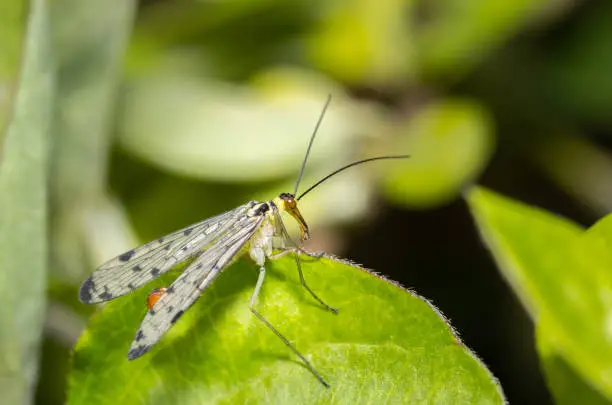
x: 188, y: 125
x: 13, y: 20
x: 449, y: 144
x: 562, y: 276
x: 23, y: 241
x: 386, y: 345
x: 601, y: 233
x: 567, y: 386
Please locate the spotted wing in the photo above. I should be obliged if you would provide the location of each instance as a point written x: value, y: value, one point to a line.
x: 191, y: 283
x: 138, y: 266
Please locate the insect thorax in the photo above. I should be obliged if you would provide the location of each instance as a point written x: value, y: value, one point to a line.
x: 263, y: 240
x: 258, y: 208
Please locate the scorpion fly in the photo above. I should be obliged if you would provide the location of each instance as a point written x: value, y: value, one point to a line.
x: 212, y: 244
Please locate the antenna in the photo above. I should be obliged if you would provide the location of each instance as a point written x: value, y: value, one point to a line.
x: 299, y: 177
x: 346, y: 167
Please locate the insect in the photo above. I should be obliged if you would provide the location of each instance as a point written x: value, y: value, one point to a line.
x: 212, y: 244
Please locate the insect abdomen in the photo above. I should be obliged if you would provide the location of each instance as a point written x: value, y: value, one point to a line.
x: 154, y: 296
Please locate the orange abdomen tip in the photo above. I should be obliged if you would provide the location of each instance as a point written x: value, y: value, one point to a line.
x: 154, y: 296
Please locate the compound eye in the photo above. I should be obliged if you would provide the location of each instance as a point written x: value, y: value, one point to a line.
x: 289, y: 201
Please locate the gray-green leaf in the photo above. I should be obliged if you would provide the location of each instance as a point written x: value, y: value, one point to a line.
x: 23, y: 233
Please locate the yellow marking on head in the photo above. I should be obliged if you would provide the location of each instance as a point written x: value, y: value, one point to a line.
x: 287, y: 202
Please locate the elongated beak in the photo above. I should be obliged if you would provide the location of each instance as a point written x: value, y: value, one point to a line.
x: 295, y: 213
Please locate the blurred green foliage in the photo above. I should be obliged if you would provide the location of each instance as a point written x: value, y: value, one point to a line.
x: 12, y: 26
x: 164, y: 112
x: 454, y: 141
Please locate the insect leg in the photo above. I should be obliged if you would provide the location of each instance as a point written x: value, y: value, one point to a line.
x: 298, y: 263
x: 260, y: 279
x: 296, y: 249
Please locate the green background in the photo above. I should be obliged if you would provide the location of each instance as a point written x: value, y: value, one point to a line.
x: 121, y: 121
